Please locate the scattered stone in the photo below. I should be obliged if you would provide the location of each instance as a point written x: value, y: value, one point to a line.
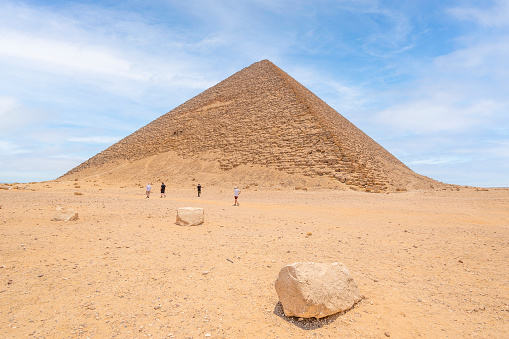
x: 387, y: 334
x: 308, y: 289
x: 78, y: 193
x: 65, y: 215
x: 190, y: 216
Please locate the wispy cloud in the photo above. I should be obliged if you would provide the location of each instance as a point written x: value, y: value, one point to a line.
x: 439, y: 112
x: 441, y: 161
x: 95, y: 140
x: 64, y: 57
x: 492, y: 16
x: 9, y: 148
x: 15, y: 116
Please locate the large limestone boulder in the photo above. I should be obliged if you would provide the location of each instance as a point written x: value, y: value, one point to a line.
x: 65, y: 215
x: 190, y: 216
x: 308, y: 289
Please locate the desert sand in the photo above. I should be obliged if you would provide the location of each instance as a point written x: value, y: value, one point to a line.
x: 430, y: 263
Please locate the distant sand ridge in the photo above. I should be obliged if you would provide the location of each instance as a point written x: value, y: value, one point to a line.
x: 264, y: 118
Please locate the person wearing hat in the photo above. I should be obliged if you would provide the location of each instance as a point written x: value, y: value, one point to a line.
x: 236, y: 193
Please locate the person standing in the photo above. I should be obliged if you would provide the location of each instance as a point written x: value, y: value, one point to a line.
x: 148, y: 188
x: 236, y: 193
x: 199, y: 189
x: 163, y: 190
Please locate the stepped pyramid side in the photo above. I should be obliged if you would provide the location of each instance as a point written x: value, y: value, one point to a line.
x: 261, y: 115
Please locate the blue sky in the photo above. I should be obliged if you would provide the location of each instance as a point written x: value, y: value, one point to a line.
x: 427, y: 79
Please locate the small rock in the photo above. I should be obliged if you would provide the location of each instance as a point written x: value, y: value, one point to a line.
x: 190, y: 216
x: 387, y: 334
x: 65, y: 215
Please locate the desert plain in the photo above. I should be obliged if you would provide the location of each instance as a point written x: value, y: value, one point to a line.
x: 430, y: 263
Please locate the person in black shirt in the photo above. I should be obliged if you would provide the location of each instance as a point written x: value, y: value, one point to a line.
x: 163, y: 190
x: 199, y: 189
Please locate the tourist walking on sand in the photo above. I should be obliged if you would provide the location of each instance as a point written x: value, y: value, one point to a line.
x: 199, y: 189
x: 236, y: 193
x: 163, y: 190
x: 148, y: 188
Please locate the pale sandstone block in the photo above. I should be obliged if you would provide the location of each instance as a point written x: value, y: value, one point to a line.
x: 65, y: 215
x: 308, y: 289
x: 190, y: 216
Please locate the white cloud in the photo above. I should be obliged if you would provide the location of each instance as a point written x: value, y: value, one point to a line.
x: 9, y: 148
x: 438, y: 113
x: 494, y: 16
x: 485, y: 58
x: 7, y: 105
x: 95, y: 140
x: 440, y: 161
x: 14, y: 116
x: 117, y: 51
x: 65, y: 56
x: 459, y: 91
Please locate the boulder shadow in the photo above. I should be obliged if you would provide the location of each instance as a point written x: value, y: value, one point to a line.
x: 306, y: 323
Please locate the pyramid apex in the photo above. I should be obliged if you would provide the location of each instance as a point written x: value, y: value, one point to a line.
x: 265, y: 62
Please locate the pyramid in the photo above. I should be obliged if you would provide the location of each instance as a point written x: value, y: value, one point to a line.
x: 261, y: 116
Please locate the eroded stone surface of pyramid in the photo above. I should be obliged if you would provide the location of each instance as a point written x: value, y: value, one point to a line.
x: 262, y: 116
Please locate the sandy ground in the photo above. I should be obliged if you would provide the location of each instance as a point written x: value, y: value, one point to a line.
x: 430, y: 264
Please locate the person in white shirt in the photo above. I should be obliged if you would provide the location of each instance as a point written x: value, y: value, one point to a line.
x: 148, y: 188
x: 236, y: 193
